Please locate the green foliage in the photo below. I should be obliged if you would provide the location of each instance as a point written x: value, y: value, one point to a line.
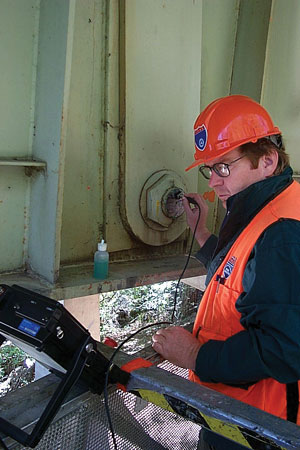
x: 123, y: 312
x: 10, y: 358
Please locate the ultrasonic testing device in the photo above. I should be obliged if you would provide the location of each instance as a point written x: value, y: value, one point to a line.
x: 43, y: 328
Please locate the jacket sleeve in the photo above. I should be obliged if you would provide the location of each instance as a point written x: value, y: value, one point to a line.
x: 269, y: 345
x: 205, y: 254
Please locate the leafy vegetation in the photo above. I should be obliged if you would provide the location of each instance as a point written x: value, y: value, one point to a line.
x: 16, y: 368
x: 10, y: 358
x: 121, y: 314
x: 124, y: 312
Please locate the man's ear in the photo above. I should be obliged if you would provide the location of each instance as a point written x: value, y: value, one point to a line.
x: 269, y: 163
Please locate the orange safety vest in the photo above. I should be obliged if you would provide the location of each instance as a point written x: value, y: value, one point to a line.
x: 217, y: 317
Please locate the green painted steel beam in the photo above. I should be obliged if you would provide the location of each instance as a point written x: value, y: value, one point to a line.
x: 250, y: 47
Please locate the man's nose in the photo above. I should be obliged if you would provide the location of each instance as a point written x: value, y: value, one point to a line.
x: 215, y: 180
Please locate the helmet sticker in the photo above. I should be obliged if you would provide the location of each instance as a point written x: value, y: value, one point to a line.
x: 200, y: 137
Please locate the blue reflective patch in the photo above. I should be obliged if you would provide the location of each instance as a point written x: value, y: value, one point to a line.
x: 201, y: 137
x: 229, y: 267
x: 29, y: 327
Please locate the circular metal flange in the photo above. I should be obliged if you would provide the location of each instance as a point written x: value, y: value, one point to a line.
x: 161, y: 211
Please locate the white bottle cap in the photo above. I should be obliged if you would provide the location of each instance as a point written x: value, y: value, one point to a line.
x: 102, y: 246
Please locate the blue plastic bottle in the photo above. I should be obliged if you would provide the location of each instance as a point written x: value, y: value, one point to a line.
x: 101, y: 260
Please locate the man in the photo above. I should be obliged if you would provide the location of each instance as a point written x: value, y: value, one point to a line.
x: 246, y: 337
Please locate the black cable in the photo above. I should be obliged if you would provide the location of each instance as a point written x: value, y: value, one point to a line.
x: 186, y: 264
x: 105, y: 390
x: 110, y: 362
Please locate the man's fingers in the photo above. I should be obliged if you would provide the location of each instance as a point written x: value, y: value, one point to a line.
x: 160, y: 331
x: 159, y: 338
x: 157, y: 347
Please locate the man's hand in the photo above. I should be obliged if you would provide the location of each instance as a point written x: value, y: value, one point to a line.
x: 202, y: 233
x: 177, y: 345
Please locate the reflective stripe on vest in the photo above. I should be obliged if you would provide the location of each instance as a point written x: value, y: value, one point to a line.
x: 218, y: 319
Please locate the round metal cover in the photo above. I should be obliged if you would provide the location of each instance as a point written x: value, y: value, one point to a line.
x: 160, y: 208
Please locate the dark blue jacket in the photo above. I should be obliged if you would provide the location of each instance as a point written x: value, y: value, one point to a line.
x: 269, y: 345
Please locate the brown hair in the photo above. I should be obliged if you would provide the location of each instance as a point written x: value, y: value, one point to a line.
x: 264, y: 146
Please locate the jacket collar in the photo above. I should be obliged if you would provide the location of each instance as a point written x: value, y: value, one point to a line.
x: 244, y: 205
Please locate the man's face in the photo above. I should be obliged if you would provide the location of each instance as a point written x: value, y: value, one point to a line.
x: 241, y: 175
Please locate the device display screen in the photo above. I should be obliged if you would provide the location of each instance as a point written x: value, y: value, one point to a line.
x: 29, y: 327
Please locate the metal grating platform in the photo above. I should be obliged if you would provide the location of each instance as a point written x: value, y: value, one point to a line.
x: 138, y: 425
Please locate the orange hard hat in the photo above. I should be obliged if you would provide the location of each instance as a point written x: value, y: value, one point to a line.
x: 227, y: 123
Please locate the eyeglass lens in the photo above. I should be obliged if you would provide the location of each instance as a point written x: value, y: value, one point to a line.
x: 220, y: 169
